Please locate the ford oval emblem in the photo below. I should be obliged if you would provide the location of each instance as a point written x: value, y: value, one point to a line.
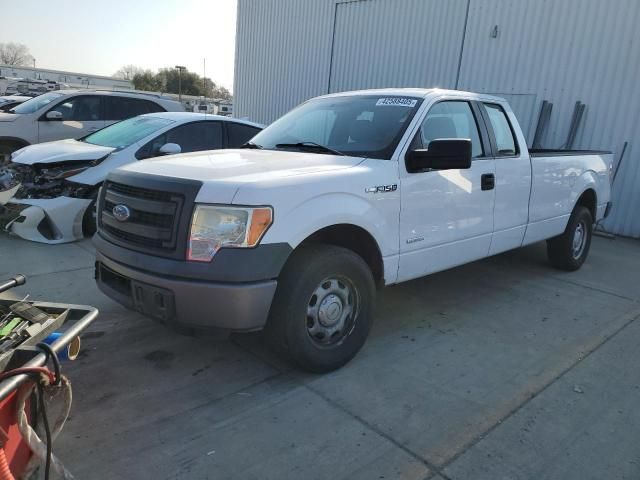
x: 121, y: 212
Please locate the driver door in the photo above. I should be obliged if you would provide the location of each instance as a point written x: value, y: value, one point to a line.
x: 81, y: 115
x: 446, y: 216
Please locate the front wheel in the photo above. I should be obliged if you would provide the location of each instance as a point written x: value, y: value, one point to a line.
x: 323, y: 307
x: 569, y: 250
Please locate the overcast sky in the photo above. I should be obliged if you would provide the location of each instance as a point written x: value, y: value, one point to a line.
x: 98, y: 37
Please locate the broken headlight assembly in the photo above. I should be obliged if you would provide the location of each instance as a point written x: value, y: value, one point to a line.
x: 61, y: 170
x: 214, y: 227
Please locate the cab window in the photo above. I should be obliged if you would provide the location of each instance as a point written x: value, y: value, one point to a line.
x: 449, y: 119
x: 505, y: 140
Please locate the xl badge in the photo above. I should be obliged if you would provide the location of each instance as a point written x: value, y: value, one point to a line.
x: 121, y: 213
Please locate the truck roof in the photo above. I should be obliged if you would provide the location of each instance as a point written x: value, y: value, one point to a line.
x: 418, y: 92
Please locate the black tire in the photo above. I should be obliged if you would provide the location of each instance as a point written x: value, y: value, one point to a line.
x: 341, y: 282
x: 569, y: 250
x: 89, y: 218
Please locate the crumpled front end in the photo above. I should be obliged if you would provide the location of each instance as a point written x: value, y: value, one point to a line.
x: 55, y: 220
x: 51, y: 208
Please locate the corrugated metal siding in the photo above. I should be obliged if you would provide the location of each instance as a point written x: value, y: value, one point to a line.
x: 283, y: 50
x: 586, y: 50
x: 376, y: 44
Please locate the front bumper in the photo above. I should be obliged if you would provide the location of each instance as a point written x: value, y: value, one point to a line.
x: 50, y: 220
x: 188, y: 303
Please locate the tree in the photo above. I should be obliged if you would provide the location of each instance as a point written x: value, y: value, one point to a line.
x: 148, y: 81
x: 128, y: 72
x: 15, y: 54
x: 169, y: 80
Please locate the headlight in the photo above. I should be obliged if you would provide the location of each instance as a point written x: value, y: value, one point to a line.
x: 215, y: 227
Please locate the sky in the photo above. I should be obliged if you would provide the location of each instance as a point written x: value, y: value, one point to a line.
x: 99, y: 37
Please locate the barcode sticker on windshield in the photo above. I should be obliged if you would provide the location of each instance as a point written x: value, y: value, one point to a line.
x: 397, y: 102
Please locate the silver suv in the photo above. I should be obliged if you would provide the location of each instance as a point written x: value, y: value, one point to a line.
x: 73, y: 114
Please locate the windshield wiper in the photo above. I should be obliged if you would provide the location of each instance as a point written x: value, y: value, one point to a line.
x: 251, y: 145
x: 309, y: 146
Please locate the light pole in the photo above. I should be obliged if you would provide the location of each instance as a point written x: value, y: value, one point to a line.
x: 180, y: 68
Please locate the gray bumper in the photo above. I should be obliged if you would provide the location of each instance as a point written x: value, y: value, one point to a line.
x: 187, y: 303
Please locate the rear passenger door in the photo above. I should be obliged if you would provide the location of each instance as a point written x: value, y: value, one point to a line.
x: 81, y: 115
x: 513, y: 179
x: 238, y: 134
x: 192, y: 137
x: 446, y: 216
x: 121, y: 108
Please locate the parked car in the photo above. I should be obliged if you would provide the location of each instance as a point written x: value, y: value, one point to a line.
x: 7, y: 102
x: 59, y: 181
x: 346, y: 193
x: 73, y: 114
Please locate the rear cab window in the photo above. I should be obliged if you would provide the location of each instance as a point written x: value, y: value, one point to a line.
x: 506, y: 144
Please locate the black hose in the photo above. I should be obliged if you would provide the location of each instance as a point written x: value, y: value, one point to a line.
x: 54, y: 358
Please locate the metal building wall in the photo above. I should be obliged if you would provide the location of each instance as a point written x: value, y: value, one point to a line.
x: 283, y: 51
x: 567, y: 51
x: 375, y: 40
x: 560, y: 51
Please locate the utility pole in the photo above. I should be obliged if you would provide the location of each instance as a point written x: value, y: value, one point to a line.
x: 180, y: 69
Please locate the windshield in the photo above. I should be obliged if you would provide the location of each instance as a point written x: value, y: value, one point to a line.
x: 36, y: 103
x: 357, y: 125
x: 122, y: 134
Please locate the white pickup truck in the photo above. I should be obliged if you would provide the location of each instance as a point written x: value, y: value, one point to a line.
x: 346, y: 193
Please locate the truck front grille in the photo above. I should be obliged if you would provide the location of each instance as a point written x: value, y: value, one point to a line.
x: 152, y: 220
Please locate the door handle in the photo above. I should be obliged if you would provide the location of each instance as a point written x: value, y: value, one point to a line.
x: 488, y: 181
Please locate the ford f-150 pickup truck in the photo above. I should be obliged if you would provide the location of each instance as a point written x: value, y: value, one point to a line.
x: 347, y: 193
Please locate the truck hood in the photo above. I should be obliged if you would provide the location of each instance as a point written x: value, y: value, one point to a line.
x: 223, y: 172
x: 241, y: 166
x: 61, y: 151
x: 8, y: 117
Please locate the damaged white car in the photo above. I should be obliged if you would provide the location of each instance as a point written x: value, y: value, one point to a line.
x: 52, y: 186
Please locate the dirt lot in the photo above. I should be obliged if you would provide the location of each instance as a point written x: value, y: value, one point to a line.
x: 501, y: 369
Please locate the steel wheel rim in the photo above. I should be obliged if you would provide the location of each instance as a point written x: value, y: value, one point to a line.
x: 579, y: 240
x: 332, y: 311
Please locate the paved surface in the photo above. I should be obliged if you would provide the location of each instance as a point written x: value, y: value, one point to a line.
x: 501, y: 369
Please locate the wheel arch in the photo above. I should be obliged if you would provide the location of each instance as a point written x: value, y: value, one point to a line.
x: 589, y: 199
x: 354, y: 238
x: 21, y: 142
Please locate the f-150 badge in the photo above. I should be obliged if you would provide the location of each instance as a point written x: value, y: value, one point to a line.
x: 381, y: 189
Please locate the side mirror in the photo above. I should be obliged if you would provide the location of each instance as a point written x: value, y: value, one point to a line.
x: 53, y: 115
x: 169, y: 149
x: 442, y: 154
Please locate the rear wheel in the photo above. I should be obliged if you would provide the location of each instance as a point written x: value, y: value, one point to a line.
x: 323, y: 308
x: 569, y: 250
